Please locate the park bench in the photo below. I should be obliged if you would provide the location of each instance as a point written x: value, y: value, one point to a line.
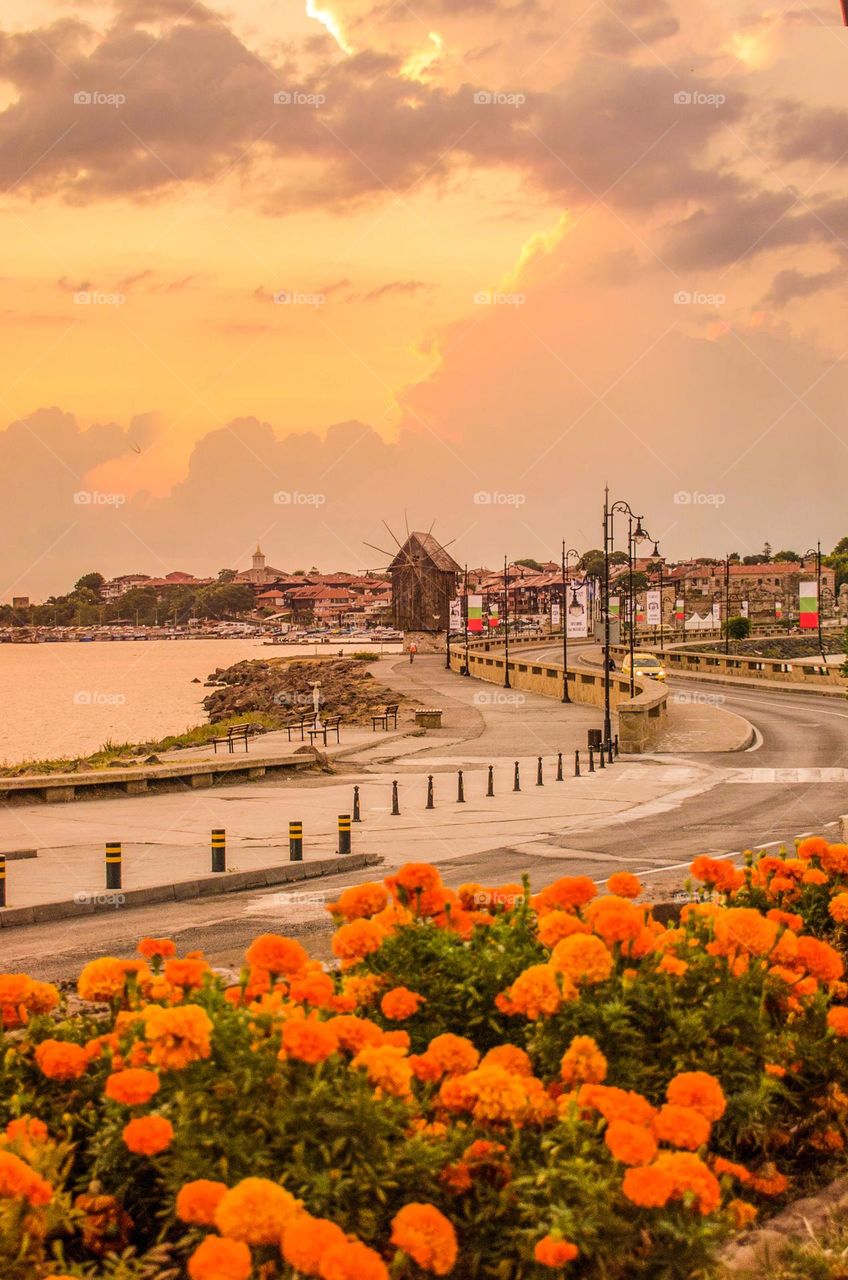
x: 332, y: 724
x: 235, y: 733
x: 383, y: 718
x: 301, y: 725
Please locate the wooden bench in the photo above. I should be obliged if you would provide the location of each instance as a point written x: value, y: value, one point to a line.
x: 331, y: 725
x: 390, y: 713
x: 302, y: 724
x: 235, y: 733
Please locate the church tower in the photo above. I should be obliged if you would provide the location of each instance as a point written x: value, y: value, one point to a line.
x: 257, y: 571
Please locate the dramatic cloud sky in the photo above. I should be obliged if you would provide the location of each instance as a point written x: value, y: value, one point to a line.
x: 280, y: 272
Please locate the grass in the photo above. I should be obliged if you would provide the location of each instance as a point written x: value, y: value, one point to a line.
x: 110, y: 752
x: 823, y: 1255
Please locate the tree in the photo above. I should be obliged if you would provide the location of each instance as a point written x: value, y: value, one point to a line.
x: 528, y: 563
x: 786, y: 557
x: 226, y: 575
x: 738, y: 628
x: 758, y: 559
x: 89, y: 582
x: 592, y: 562
x: 841, y: 548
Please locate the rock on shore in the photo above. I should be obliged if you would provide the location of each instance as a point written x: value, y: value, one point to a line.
x: 282, y: 688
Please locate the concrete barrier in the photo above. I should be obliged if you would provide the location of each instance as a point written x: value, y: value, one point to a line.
x: 640, y: 719
x: 742, y: 666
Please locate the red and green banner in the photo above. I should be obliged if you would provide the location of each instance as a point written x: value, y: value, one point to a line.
x: 615, y: 606
x: 809, y: 605
x: 494, y: 615
x: 679, y: 613
x: 778, y: 609
x: 474, y: 615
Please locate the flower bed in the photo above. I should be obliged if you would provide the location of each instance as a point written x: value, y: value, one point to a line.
x: 491, y: 1085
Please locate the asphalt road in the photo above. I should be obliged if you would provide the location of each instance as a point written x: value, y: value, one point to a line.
x: 744, y: 805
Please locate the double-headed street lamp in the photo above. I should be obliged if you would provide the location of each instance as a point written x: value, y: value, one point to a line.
x: 634, y: 535
x: 565, y: 609
x: 815, y: 553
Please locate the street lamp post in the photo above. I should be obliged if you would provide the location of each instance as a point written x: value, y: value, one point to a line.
x: 816, y: 553
x: 566, y: 556
x: 633, y: 535
x: 727, y: 604
x: 506, y: 683
x: 466, y: 671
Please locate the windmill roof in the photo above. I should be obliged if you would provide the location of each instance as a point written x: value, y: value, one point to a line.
x: 431, y: 547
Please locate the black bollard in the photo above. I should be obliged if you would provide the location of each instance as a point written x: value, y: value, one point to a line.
x: 460, y: 788
x: 219, y: 849
x: 616, y: 744
x: 2, y: 879
x: 395, y: 802
x: 295, y: 842
x: 113, y: 864
x: 516, y: 786
x: 344, y: 833
x: 559, y: 767
x: 577, y: 764
x: 602, y: 751
x: 540, y: 781
x: 356, y: 815
x: 429, y: 804
x: 591, y: 760
x: 609, y: 757
x: 490, y: 789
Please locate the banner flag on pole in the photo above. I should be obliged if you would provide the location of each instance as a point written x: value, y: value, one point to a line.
x: 456, y: 615
x: 555, y: 614
x: 475, y: 613
x: 653, y: 602
x: 494, y: 615
x: 678, y: 610
x: 577, y: 613
x: 615, y: 606
x: 778, y: 609
x: 743, y: 611
x: 809, y: 605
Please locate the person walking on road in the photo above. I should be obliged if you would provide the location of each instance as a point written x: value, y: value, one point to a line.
x: 413, y: 649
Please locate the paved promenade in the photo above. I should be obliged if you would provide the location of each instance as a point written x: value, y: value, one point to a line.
x: 166, y: 837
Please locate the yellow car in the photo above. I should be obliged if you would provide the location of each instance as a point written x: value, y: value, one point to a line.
x: 644, y: 664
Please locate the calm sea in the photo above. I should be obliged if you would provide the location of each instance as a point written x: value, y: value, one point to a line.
x: 62, y: 700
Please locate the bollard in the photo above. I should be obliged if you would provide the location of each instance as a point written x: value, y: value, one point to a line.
x: 460, y: 788
x: 602, y: 756
x: 616, y: 744
x: 295, y: 842
x: 2, y: 879
x: 429, y: 804
x: 490, y: 789
x: 356, y: 816
x: 395, y: 802
x: 577, y: 764
x: 540, y: 781
x: 113, y: 864
x: 609, y: 747
x: 344, y: 833
x: 591, y: 760
x: 516, y: 786
x: 219, y: 849
x: 559, y: 767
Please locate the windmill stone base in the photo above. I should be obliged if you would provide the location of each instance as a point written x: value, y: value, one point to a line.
x: 425, y: 641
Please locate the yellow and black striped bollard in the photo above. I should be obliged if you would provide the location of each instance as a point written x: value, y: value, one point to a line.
x: 344, y: 833
x: 114, y: 859
x: 2, y: 879
x: 295, y: 842
x: 219, y: 849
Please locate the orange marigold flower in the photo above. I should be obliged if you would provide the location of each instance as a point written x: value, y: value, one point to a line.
x: 729, y: 1167
x: 315, y: 989
x: 624, y: 885
x: 277, y: 954
x: 352, y: 1260
x: 400, y: 1003
x: 197, y: 1201
x: 583, y: 1062
x: 838, y: 908
x: 427, y: 1236
x: 552, y: 1252
x: 177, y: 1036
x: 452, y: 1055
x: 413, y: 882
x: 689, y: 1174
x: 357, y: 940
x: 306, y: 1240
x: 102, y: 979
x: 510, y: 1057
x: 41, y: 997
x: 616, y: 1104
x: 148, y: 1135
x: 217, y: 1258
x: 308, y: 1040
x: 700, y: 1091
x: 742, y: 929
x: 814, y: 876
x: 774, y: 1069
x: 820, y: 959
x: 742, y: 1213
x: 256, y: 1211
x: 567, y: 894
x: 186, y: 972
x: 536, y: 991
x: 769, y: 1182
x: 61, y: 1060
x: 812, y: 847
x: 616, y: 920
x: 837, y: 1020
x: 648, y: 1187
x: 720, y: 875
x: 682, y: 1127
x: 582, y: 958
x: 553, y: 926
x: 354, y: 1033
x: 630, y: 1143
x: 672, y: 965
x: 150, y: 948
x: 387, y: 1067
x: 27, y: 1131
x: 360, y: 900
x: 789, y: 918
x: 834, y: 860
x: 19, y: 1181
x: 132, y: 1087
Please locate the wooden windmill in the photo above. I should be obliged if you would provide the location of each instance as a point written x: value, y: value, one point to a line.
x: 424, y: 581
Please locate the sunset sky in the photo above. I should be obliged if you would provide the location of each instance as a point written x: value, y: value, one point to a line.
x: 349, y: 261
